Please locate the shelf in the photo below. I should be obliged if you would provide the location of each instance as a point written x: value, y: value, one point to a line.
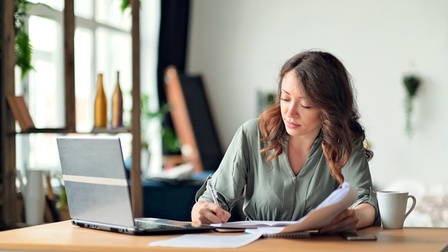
x: 110, y: 130
x: 44, y: 130
x: 66, y: 131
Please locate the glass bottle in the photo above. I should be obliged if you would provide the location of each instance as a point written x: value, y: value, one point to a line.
x: 117, y: 105
x: 100, y: 114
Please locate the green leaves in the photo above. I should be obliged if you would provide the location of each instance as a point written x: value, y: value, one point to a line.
x: 124, y: 5
x: 171, y: 143
x: 411, y: 83
x: 23, y: 52
x: 23, y: 47
x: 147, y: 114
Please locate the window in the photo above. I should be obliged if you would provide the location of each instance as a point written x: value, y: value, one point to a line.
x: 102, y: 45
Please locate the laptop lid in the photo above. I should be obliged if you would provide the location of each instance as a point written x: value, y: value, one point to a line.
x: 97, y: 188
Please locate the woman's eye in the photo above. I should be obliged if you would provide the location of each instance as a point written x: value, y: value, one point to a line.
x: 305, y: 106
x: 284, y: 99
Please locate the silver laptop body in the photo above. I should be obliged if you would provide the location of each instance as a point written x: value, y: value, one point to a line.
x: 98, y: 190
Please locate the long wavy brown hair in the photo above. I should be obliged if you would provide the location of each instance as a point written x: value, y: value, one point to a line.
x: 327, y: 86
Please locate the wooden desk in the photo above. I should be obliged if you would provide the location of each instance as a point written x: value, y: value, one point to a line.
x: 62, y: 236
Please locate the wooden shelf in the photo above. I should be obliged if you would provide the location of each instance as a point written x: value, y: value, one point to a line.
x: 110, y: 130
x: 66, y: 131
x: 45, y: 130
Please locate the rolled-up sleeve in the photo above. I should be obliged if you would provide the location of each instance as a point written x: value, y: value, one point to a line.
x: 230, y: 177
x: 357, y: 173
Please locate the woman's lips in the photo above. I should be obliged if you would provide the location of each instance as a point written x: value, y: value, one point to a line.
x: 292, y: 125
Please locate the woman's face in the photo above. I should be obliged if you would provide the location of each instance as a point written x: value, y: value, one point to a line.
x: 300, y: 118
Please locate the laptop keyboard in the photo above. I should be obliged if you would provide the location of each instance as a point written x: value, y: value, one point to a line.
x: 150, y: 225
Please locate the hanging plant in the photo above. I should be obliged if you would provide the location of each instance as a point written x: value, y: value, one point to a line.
x: 124, y: 5
x: 22, y: 41
x: 411, y: 83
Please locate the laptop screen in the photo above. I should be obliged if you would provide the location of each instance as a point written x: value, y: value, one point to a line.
x: 95, y: 180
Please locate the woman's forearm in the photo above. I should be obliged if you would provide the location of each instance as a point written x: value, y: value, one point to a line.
x: 366, y: 215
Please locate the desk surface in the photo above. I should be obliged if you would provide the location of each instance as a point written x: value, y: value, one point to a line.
x: 62, y: 236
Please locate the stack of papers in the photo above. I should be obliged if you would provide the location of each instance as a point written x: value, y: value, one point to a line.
x: 321, y: 216
x: 339, y: 200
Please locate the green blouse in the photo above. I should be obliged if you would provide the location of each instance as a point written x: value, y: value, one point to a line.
x: 272, y: 191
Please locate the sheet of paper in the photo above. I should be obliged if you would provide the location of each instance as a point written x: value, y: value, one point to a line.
x: 264, y: 230
x: 252, y: 224
x: 208, y: 241
x: 341, y: 199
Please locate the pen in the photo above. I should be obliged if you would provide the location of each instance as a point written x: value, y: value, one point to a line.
x: 213, y: 192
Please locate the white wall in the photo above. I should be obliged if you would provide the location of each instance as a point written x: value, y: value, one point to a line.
x: 239, y: 45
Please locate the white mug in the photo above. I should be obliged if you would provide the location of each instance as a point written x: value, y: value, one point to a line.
x: 392, y: 206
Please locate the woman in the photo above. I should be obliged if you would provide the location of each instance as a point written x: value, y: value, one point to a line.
x: 297, y: 152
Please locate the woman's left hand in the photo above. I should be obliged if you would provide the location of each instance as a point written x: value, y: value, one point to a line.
x: 346, y: 221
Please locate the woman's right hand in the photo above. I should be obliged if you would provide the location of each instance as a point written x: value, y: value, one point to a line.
x: 204, y: 212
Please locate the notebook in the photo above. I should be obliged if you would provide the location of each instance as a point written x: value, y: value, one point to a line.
x: 98, y: 191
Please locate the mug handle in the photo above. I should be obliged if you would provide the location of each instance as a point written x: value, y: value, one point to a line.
x: 414, y: 201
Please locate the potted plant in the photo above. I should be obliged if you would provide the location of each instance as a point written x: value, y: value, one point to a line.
x: 170, y: 141
x: 411, y: 83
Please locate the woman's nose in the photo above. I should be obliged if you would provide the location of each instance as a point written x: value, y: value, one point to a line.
x: 292, y: 111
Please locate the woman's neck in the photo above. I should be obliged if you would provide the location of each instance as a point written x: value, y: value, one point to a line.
x: 298, y: 149
x: 303, y: 143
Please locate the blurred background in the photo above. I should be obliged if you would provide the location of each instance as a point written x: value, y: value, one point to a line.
x: 238, y: 47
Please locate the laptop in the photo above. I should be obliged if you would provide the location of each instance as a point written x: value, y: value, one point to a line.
x: 98, y: 190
